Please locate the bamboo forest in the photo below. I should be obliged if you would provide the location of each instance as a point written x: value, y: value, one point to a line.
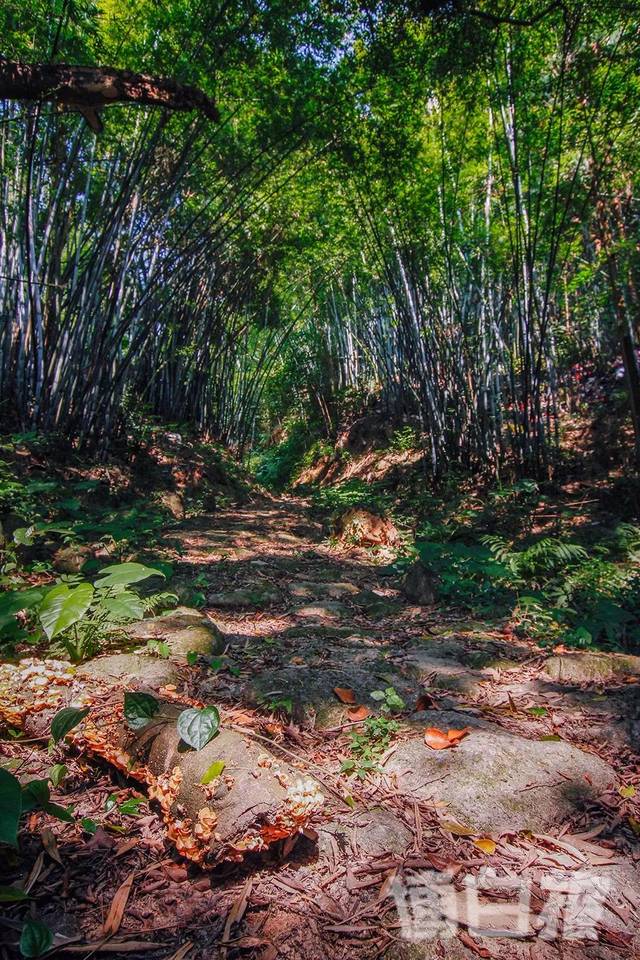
x: 320, y: 479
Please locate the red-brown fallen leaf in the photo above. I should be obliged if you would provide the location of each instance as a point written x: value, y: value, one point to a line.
x: 439, y: 740
x: 345, y: 694
x: 359, y: 713
x: 455, y: 736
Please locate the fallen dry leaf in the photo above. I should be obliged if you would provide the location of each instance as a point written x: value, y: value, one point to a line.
x: 118, y: 907
x: 424, y: 702
x: 50, y: 845
x: 486, y: 844
x: 439, y: 740
x: 182, y: 951
x: 457, y: 829
x: 359, y: 713
x: 345, y: 694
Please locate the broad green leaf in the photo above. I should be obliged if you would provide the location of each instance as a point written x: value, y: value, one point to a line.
x: 131, y: 807
x: 125, y: 573
x: 14, y: 602
x: 12, y: 895
x: 63, y: 606
x: 36, y: 793
x: 123, y: 606
x: 57, y: 774
x: 213, y: 772
x: 23, y: 536
x: 197, y: 727
x: 35, y: 939
x: 139, y: 709
x: 65, y: 720
x: 10, y: 807
x: 89, y: 825
x: 537, y: 711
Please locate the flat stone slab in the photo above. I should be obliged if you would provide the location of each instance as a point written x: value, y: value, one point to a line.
x: 260, y: 595
x: 590, y: 667
x: 318, y: 591
x: 184, y: 630
x: 447, y: 665
x: 146, y: 670
x: 496, y: 782
x: 329, y: 610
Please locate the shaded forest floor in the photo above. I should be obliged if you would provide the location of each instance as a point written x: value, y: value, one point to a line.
x: 536, y: 800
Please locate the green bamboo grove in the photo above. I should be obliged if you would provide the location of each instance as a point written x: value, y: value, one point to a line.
x: 429, y: 206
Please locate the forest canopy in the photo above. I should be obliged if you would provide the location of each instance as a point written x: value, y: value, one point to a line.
x: 425, y: 206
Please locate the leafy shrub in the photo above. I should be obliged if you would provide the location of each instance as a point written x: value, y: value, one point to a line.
x: 404, y: 439
x: 276, y: 466
x: 556, y: 591
x: 75, y: 613
x: 352, y: 493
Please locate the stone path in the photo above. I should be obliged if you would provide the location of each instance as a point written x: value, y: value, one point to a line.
x: 531, y: 819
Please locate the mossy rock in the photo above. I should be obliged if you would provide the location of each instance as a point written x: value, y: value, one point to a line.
x: 374, y: 605
x: 184, y: 630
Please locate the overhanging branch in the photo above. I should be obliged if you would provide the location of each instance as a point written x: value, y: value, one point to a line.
x: 89, y: 89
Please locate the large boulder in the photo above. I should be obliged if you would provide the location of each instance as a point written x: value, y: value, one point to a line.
x: 495, y: 781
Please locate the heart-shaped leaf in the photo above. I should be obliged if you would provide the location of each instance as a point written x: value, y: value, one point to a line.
x: 35, y: 939
x: 65, y: 720
x: 139, y: 709
x: 197, y: 727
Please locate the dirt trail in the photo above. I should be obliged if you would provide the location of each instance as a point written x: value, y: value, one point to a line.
x: 530, y: 819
